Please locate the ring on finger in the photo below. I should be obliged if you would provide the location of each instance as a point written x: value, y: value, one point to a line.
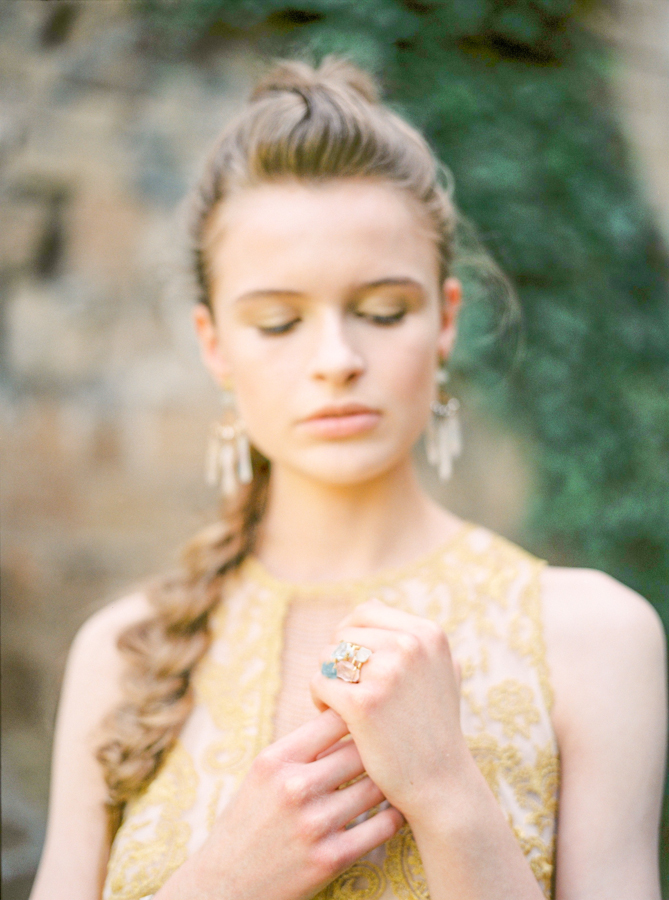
x: 346, y: 662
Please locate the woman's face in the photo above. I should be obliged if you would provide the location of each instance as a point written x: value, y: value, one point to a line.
x: 329, y: 321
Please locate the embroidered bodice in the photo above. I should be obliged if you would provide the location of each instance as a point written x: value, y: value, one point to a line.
x: 253, y: 686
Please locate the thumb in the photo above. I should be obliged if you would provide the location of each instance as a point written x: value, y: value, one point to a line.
x: 457, y: 668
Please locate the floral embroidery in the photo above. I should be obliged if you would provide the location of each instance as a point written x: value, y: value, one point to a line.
x: 361, y: 881
x: 404, y: 867
x: 485, y: 592
x: 153, y: 847
x: 512, y: 704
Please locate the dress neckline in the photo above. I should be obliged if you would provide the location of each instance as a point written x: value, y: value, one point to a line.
x: 256, y: 570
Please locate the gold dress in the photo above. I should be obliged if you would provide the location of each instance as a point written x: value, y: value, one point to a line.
x: 253, y: 687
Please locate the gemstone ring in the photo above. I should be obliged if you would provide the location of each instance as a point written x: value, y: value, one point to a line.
x: 346, y: 662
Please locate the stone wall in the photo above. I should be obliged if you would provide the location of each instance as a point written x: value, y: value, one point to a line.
x: 637, y: 33
x: 104, y: 404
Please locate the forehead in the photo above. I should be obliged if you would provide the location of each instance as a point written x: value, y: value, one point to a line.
x: 318, y: 237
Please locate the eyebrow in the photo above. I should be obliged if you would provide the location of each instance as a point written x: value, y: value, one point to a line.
x: 389, y: 282
x: 266, y: 292
x: 362, y: 289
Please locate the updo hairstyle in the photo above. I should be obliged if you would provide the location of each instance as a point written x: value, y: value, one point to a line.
x: 306, y: 123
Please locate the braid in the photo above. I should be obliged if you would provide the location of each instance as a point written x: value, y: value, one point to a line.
x: 161, y: 651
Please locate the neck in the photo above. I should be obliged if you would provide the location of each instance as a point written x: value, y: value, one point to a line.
x: 322, y: 532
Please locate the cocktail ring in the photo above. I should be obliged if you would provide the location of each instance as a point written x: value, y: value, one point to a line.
x: 346, y: 662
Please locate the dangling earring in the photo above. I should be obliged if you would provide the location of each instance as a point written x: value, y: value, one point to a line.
x: 228, y: 461
x: 443, y: 438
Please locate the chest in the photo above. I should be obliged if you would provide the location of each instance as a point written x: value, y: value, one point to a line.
x: 253, y: 686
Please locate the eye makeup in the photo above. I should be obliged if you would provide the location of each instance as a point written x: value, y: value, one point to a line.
x: 384, y: 302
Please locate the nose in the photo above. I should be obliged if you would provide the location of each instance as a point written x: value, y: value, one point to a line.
x: 335, y: 359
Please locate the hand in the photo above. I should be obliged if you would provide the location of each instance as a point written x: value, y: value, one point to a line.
x: 404, y: 713
x: 283, y: 836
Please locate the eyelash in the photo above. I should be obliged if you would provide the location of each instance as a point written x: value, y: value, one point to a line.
x: 278, y: 329
x: 384, y: 320
x: 284, y: 328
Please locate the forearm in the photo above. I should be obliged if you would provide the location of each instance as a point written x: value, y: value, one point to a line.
x: 186, y: 883
x: 207, y: 875
x: 467, y: 847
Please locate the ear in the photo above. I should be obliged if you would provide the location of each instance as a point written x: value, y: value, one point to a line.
x: 210, y: 345
x: 452, y: 295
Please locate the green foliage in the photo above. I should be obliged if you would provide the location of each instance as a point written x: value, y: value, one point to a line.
x: 513, y: 97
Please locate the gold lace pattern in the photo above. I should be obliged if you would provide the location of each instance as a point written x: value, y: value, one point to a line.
x: 485, y: 592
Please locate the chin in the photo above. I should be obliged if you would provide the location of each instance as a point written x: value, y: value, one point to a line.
x: 350, y: 468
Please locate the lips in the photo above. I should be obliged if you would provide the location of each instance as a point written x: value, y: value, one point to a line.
x: 341, y: 421
x: 335, y: 411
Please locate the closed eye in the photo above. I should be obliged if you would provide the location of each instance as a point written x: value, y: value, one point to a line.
x: 378, y: 319
x: 282, y: 328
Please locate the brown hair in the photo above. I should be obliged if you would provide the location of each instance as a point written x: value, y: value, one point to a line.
x: 301, y: 123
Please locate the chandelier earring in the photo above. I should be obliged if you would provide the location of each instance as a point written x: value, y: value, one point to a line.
x: 443, y: 437
x: 228, y: 460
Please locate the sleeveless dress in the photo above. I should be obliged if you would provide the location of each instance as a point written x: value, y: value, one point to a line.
x: 253, y: 686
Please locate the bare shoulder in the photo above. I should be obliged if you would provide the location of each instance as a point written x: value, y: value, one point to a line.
x: 91, y: 689
x: 101, y: 630
x: 598, y: 631
x: 605, y: 649
x: 111, y: 619
x: 587, y: 607
x: 95, y: 663
x: 94, y: 666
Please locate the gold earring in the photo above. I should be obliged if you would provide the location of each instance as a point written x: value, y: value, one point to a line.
x: 228, y: 459
x: 443, y: 436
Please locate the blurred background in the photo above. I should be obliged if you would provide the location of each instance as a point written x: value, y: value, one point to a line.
x: 554, y: 118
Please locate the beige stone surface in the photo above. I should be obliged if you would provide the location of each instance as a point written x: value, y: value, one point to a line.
x: 637, y: 32
x: 104, y: 405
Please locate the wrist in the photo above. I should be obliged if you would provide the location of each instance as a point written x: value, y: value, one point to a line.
x: 455, y: 801
x: 466, y: 845
x: 188, y: 882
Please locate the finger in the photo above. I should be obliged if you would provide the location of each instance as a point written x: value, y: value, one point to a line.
x: 359, y: 840
x: 335, y: 693
x: 338, y: 767
x: 318, y: 687
x: 342, y: 743
x: 457, y: 668
x: 354, y: 800
x: 375, y: 614
x: 309, y: 740
x: 371, y: 638
x: 375, y: 617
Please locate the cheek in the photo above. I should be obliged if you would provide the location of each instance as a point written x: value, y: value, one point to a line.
x: 412, y: 373
x: 258, y: 410
x: 264, y: 378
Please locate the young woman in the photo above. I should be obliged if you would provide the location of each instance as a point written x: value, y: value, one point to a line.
x: 347, y: 692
